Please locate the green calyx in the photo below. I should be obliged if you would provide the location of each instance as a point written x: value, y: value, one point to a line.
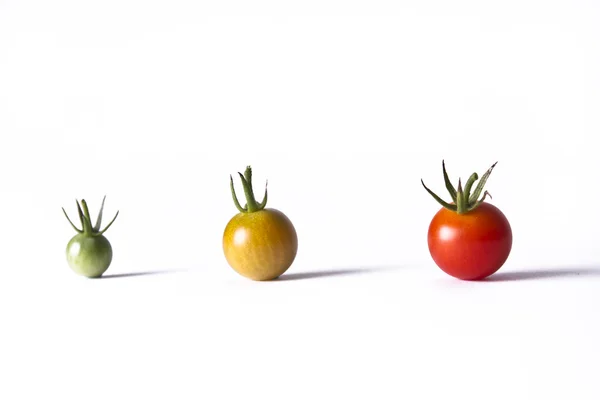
x: 463, y: 200
x: 251, y: 204
x: 86, y: 221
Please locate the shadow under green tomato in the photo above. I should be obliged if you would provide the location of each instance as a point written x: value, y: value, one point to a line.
x: 134, y: 274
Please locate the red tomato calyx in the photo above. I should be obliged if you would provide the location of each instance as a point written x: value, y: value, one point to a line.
x: 463, y: 201
x: 86, y: 221
x: 251, y: 204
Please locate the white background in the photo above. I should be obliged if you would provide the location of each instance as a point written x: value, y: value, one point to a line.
x: 344, y: 107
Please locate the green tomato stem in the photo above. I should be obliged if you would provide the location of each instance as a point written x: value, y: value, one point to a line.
x: 87, y: 224
x: 99, y: 220
x: 107, y: 226
x: 80, y: 212
x: 84, y: 217
x: 69, y: 219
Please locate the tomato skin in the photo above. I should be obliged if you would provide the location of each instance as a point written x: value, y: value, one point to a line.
x: 470, y: 246
x: 260, y: 245
x: 88, y: 255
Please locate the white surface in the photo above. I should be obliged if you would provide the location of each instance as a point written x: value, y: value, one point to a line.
x: 343, y: 107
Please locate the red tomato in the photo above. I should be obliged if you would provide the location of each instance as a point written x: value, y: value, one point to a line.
x: 471, y: 246
x: 468, y: 238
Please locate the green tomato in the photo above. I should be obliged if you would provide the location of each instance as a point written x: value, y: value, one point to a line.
x: 89, y: 253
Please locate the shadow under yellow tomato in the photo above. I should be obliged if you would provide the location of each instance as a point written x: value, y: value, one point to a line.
x: 260, y: 245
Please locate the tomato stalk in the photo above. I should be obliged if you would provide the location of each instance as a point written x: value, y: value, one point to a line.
x: 86, y: 225
x: 463, y: 201
x: 251, y: 204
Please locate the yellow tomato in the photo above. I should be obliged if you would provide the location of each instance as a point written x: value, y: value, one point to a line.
x: 259, y: 243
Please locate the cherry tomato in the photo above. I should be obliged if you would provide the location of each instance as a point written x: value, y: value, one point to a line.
x: 259, y: 243
x: 468, y: 238
x: 89, y: 253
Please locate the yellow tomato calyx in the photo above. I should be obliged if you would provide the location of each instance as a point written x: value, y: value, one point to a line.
x: 251, y: 204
